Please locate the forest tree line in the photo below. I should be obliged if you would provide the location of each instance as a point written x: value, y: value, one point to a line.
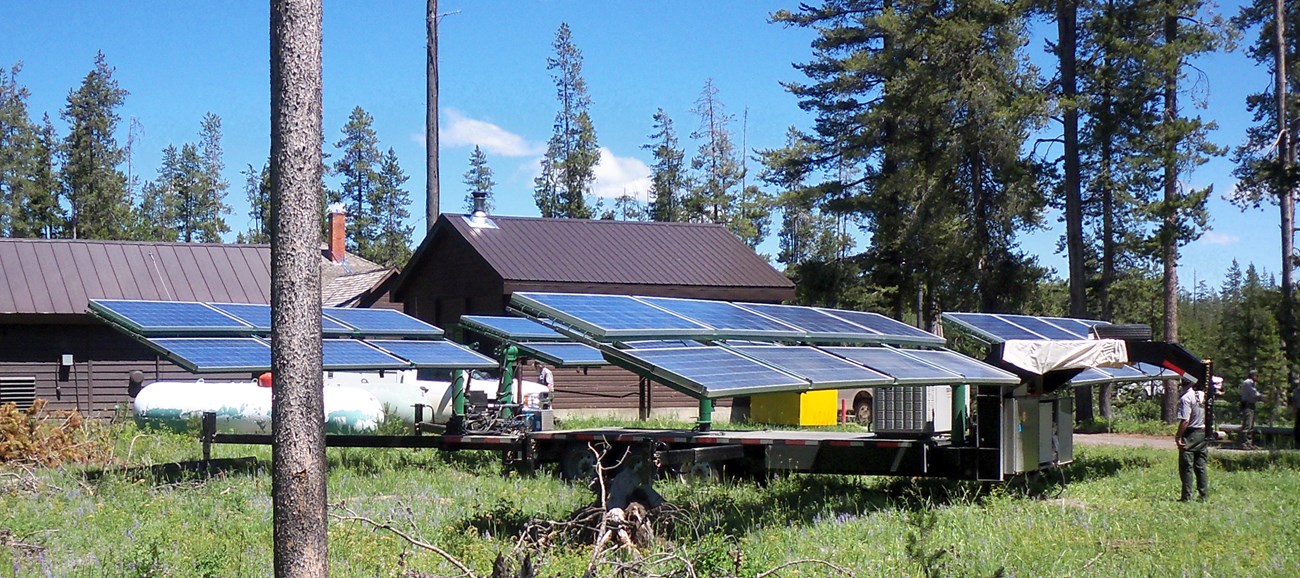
x: 934, y: 138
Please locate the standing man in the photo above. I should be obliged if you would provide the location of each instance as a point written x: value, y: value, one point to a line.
x: 1192, y: 446
x: 544, y: 375
x: 1249, y: 400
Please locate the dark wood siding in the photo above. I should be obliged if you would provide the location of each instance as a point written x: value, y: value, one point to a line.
x: 604, y: 388
x: 103, y: 359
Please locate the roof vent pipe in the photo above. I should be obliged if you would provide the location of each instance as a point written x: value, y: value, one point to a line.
x: 480, y: 205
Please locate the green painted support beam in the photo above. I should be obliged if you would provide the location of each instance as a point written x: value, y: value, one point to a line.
x: 959, y: 416
x: 705, y: 422
x: 506, y: 388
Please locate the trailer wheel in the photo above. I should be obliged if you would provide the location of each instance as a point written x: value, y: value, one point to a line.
x: 578, y: 463
x: 700, y: 473
x: 862, y: 409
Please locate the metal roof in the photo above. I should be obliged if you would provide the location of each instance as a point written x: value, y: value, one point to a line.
x: 525, y: 249
x: 60, y: 276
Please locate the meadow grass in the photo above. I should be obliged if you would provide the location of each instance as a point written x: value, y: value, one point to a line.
x: 1110, y: 513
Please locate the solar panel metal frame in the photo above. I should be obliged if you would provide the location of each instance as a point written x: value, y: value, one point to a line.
x: 561, y: 354
x: 785, y: 331
x: 947, y: 377
x: 765, y: 354
x: 104, y: 309
x: 496, y: 326
x: 639, y: 358
x: 394, y: 347
x: 167, y: 346
x: 530, y: 302
x: 364, y: 329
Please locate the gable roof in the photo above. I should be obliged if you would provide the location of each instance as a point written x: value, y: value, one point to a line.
x: 527, y: 249
x: 60, y: 276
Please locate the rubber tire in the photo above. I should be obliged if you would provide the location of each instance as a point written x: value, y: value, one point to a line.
x: 862, y: 410
x: 577, y: 463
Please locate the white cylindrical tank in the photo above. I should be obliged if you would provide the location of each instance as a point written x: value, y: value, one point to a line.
x: 245, y: 407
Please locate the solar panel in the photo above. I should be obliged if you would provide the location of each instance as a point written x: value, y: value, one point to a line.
x: 824, y: 370
x: 1044, y: 327
x: 259, y: 316
x: 434, y: 354
x: 904, y: 368
x: 1082, y: 327
x: 344, y: 354
x: 610, y: 316
x: 510, y: 328
x: 728, y: 320
x: 661, y: 343
x: 990, y: 327
x: 895, y: 330
x: 169, y: 317
x: 216, y: 354
x: 565, y: 354
x: 381, y: 322
x: 712, y: 371
x: 818, y: 325
x: 975, y: 371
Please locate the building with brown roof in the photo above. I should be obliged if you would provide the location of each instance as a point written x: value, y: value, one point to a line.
x: 468, y: 265
x: 51, y: 348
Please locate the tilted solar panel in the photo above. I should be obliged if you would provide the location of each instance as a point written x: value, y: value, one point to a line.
x: 434, y: 354
x: 610, y: 316
x: 344, y: 354
x: 713, y: 371
x: 728, y: 320
x: 897, y: 331
x: 822, y: 369
x: 169, y: 317
x: 905, y: 368
x: 975, y: 371
x: 259, y: 316
x: 1044, y: 327
x: 510, y: 328
x: 565, y: 354
x: 990, y: 327
x: 215, y: 354
x: 818, y: 325
x: 381, y: 322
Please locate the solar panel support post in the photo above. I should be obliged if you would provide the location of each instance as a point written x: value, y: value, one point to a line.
x: 506, y: 389
x: 705, y: 422
x: 456, y: 424
x: 959, y: 417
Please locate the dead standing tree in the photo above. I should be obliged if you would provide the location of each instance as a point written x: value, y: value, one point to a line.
x: 297, y: 410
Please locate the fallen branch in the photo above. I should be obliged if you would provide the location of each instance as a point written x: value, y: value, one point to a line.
x: 352, y: 516
x: 840, y: 569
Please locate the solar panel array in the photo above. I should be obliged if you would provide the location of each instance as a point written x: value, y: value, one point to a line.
x: 234, y: 337
x: 997, y: 327
x: 628, y: 318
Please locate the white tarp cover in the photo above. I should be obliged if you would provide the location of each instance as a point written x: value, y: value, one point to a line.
x: 1041, y: 356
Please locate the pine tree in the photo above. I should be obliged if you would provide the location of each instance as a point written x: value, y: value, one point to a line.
x: 95, y: 188
x: 257, y: 189
x: 479, y: 178
x: 357, y: 166
x: 568, y: 167
x: 668, y: 179
x: 211, y: 208
x: 716, y: 165
x: 19, y: 154
x: 909, y: 138
x: 392, y: 203
x: 41, y: 215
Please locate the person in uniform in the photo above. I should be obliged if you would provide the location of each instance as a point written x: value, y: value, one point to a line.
x: 1192, y: 445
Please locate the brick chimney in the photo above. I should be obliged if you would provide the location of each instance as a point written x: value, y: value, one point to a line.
x: 338, y: 231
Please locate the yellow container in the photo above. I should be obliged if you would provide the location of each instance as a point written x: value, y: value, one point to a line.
x: 789, y: 408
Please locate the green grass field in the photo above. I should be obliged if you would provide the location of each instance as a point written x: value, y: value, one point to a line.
x: 1115, y: 516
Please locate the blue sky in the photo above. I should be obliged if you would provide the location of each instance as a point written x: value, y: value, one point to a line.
x: 182, y: 60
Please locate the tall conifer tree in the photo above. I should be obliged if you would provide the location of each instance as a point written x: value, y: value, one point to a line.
x: 568, y: 167
x: 95, y: 188
x: 392, y: 204
x: 357, y: 165
x: 479, y: 178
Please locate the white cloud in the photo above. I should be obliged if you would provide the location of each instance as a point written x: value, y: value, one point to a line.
x: 458, y: 130
x: 1217, y: 238
x: 616, y: 176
